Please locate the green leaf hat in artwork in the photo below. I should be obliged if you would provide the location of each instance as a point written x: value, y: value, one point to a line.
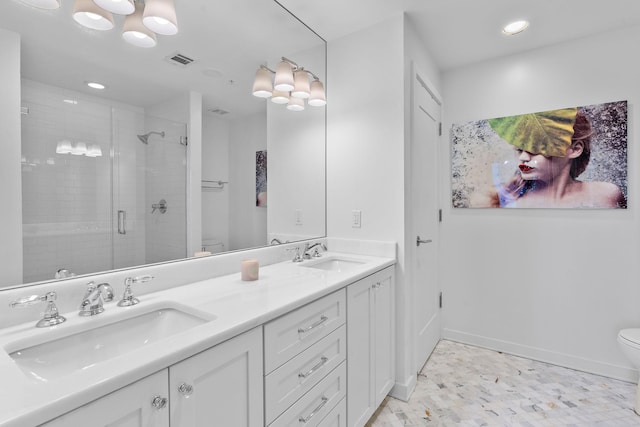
x: 548, y: 133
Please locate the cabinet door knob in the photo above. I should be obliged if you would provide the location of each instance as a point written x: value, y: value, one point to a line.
x: 185, y: 389
x: 159, y: 402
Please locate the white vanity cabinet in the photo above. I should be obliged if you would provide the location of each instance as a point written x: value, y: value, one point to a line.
x: 371, y: 344
x: 305, y: 365
x: 141, y: 404
x: 219, y: 386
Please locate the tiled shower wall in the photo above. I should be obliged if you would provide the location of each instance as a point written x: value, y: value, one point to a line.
x: 68, y: 199
x: 166, y: 178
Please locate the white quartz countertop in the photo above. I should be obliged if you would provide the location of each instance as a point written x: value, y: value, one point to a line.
x: 238, y: 306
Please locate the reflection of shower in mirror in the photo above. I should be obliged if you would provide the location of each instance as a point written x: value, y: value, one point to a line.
x: 145, y: 138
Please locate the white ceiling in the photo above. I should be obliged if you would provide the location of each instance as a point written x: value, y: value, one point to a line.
x: 230, y: 38
x: 461, y: 32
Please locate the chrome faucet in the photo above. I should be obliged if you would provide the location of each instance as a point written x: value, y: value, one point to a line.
x: 127, y: 297
x: 51, y: 316
x: 316, y: 253
x: 94, y: 298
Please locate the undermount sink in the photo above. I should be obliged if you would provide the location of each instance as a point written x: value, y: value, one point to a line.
x: 338, y: 264
x: 60, y: 357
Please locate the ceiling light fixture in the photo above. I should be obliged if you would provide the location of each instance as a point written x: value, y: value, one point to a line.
x: 88, y: 14
x: 295, y: 104
x: 317, y: 97
x: 144, y: 18
x: 120, y: 7
x: 302, y: 88
x: 515, y: 27
x: 160, y: 17
x: 43, y: 4
x: 135, y: 32
x: 291, y: 85
x: 262, y: 83
x: 280, y: 97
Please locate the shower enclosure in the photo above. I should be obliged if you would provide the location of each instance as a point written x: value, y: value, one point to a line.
x: 89, y: 184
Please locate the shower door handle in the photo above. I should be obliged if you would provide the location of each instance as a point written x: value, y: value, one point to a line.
x: 122, y: 222
x: 419, y: 241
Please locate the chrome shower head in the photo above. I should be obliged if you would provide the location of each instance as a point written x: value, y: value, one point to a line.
x: 145, y: 138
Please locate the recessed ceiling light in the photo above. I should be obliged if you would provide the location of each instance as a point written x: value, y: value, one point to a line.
x: 515, y: 27
x: 96, y: 85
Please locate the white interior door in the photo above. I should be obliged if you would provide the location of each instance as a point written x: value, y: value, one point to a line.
x: 425, y: 124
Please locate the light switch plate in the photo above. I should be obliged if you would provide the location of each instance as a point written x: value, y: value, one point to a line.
x: 356, y: 219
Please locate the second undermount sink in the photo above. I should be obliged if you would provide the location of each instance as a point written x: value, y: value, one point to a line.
x: 58, y: 358
x: 333, y: 263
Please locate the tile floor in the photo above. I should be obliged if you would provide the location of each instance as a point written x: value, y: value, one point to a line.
x: 462, y: 385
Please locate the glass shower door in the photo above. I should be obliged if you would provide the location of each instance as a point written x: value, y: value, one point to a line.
x: 66, y: 184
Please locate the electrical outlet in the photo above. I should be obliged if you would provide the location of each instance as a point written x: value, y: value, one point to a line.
x: 298, y: 217
x: 356, y: 219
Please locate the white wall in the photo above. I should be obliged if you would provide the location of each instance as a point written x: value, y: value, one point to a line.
x: 247, y: 222
x: 188, y: 109
x: 365, y: 149
x: 215, y: 167
x: 555, y: 285
x: 296, y: 156
x: 11, y: 215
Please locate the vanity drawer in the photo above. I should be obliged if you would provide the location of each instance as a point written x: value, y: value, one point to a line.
x: 337, y: 417
x: 290, y: 381
x: 314, y: 406
x: 298, y: 330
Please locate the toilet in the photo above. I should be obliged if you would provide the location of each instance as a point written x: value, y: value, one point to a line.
x: 629, y: 341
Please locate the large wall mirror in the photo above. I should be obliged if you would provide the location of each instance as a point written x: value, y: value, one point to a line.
x: 174, y: 157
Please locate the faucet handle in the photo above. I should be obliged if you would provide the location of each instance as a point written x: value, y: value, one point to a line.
x: 51, y: 316
x: 127, y: 297
x: 297, y: 257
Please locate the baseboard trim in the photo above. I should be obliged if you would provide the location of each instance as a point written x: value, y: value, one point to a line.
x: 618, y: 372
x: 403, y: 391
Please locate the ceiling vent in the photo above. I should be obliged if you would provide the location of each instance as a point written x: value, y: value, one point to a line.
x: 179, y: 59
x: 218, y: 111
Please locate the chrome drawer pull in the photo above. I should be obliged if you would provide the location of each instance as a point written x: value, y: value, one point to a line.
x: 306, y: 419
x: 315, y: 325
x: 323, y: 360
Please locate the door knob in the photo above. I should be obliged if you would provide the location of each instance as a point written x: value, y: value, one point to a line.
x: 418, y: 241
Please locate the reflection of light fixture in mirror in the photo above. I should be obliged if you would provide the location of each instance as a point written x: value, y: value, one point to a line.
x: 515, y: 27
x: 43, y: 4
x: 96, y: 85
x: 88, y: 14
x: 318, y: 97
x: 284, y: 77
x: 94, y: 151
x: 262, y: 84
x: 301, y: 89
x: 64, y: 147
x: 295, y: 104
x: 289, y: 75
x: 79, y: 149
x: 135, y: 32
x: 121, y: 7
x: 160, y: 17
x: 280, y: 97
